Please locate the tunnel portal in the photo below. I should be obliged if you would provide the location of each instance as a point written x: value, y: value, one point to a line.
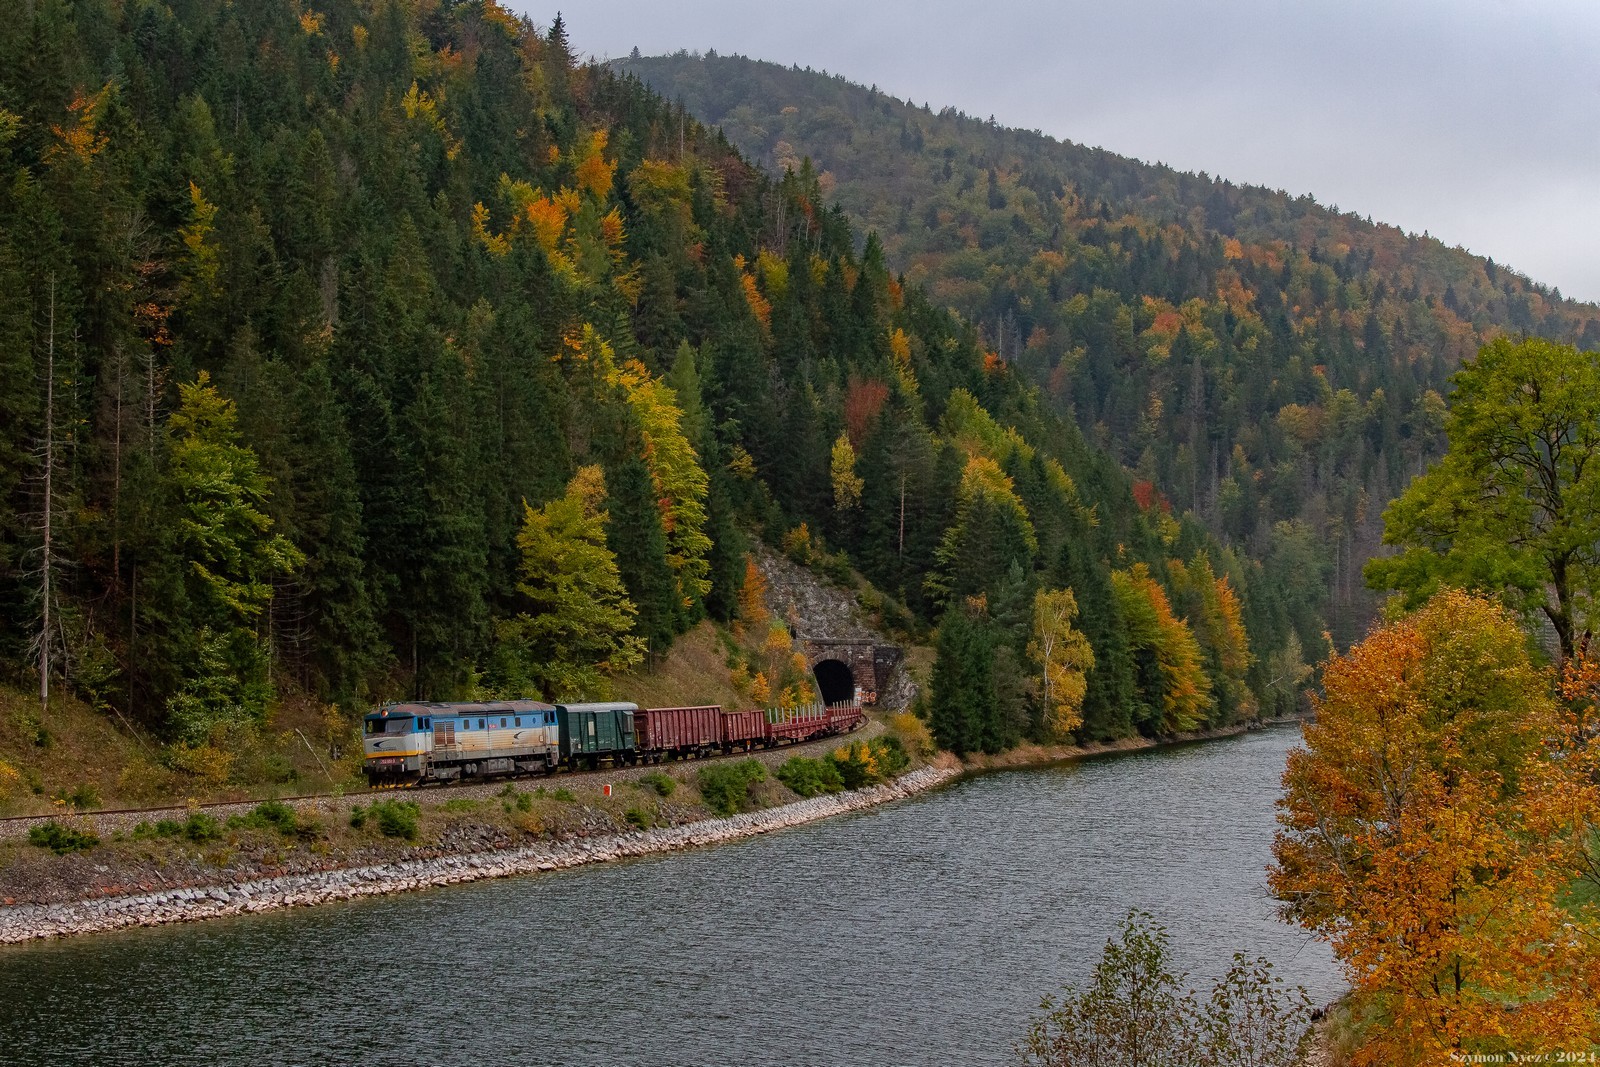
x: 836, y: 681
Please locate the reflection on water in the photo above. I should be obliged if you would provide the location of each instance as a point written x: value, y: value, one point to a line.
x: 920, y: 933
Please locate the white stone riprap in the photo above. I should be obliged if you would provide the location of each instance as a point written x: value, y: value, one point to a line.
x: 26, y: 922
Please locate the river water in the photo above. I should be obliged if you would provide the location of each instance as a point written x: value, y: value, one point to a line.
x: 924, y: 932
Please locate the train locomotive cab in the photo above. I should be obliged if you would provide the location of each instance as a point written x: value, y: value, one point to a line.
x: 432, y: 741
x: 394, y: 746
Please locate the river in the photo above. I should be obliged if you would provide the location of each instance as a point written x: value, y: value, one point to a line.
x: 924, y: 932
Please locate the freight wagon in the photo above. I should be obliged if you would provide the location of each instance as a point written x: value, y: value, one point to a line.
x: 679, y: 733
x: 743, y: 730
x: 593, y: 732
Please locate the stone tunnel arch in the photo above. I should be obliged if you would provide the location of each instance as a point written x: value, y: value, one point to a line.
x: 835, y: 680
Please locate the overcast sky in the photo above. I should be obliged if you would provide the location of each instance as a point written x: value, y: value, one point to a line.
x: 1476, y: 120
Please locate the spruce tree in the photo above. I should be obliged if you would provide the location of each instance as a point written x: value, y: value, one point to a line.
x: 208, y: 591
x: 338, y: 638
x: 728, y: 546
x: 1108, y: 703
x: 443, y: 586
x: 634, y: 534
x: 961, y: 711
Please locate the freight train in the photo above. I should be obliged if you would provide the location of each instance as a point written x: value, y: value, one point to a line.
x: 413, y: 743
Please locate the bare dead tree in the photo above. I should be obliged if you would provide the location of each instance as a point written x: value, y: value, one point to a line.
x: 47, y: 458
x: 902, y: 549
x: 116, y: 465
x: 154, y: 380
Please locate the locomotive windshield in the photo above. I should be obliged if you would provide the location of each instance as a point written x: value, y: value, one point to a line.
x: 393, y: 725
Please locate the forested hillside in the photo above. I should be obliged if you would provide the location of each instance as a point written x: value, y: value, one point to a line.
x: 378, y: 349
x: 1269, y: 365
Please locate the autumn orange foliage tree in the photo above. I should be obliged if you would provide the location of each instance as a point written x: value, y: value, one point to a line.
x: 1434, y: 831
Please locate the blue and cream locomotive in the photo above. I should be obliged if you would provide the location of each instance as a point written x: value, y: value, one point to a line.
x: 406, y: 744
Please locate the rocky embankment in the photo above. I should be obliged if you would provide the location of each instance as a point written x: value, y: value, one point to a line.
x: 25, y: 922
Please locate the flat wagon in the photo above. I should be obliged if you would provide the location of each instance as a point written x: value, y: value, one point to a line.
x: 842, y: 718
x: 794, y: 725
x: 678, y: 733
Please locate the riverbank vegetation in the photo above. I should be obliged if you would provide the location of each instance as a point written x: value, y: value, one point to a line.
x: 1441, y: 827
x: 1134, y: 1011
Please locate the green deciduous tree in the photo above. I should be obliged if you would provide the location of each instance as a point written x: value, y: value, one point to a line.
x: 1136, y: 1012
x: 576, y: 626
x: 1513, y: 509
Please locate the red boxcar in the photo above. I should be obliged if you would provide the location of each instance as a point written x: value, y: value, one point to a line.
x: 743, y: 729
x: 681, y: 732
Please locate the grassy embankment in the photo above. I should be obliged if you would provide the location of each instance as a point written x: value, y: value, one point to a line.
x: 72, y: 757
x: 81, y: 856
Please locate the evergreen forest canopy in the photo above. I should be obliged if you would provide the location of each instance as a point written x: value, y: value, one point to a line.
x: 379, y: 349
x: 1273, y: 367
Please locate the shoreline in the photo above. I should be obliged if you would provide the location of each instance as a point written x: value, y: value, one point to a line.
x: 1028, y: 756
x: 20, y: 923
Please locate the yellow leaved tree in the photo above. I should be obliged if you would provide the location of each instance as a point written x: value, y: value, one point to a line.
x: 1064, y: 659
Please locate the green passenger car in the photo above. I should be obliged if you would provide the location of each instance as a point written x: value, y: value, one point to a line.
x: 594, y: 732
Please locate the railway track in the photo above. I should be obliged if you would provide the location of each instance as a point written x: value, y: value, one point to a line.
x: 15, y: 826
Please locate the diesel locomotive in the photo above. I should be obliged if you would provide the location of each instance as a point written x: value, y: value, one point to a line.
x: 412, y: 743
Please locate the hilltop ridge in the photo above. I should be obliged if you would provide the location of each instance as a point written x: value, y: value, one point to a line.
x: 1271, y: 366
